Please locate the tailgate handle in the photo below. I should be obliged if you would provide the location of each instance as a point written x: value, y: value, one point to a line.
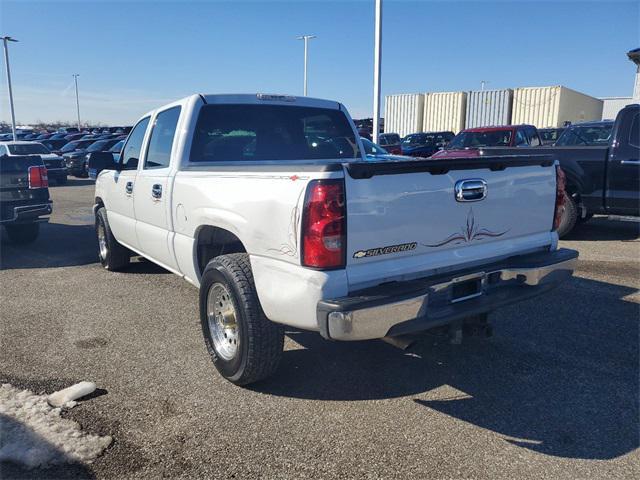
x: 470, y: 190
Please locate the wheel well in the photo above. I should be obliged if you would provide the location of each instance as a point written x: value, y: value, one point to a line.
x: 98, y: 203
x: 214, y: 241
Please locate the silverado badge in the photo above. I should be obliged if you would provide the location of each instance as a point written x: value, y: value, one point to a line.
x: 373, y: 252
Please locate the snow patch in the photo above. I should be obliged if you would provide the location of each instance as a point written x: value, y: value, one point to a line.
x: 34, y: 434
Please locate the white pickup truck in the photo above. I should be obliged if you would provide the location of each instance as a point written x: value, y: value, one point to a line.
x: 268, y: 204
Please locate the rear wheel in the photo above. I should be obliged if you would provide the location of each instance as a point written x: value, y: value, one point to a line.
x: 244, y: 344
x: 569, y: 216
x: 113, y: 256
x: 23, y: 232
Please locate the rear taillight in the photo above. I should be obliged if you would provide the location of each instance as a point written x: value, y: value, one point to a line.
x: 560, y: 196
x: 38, y: 177
x: 324, y: 225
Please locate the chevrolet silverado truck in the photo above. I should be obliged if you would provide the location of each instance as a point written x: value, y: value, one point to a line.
x: 269, y: 206
x: 602, y: 167
x: 24, y: 196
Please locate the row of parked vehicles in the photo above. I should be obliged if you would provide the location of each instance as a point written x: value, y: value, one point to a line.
x: 67, y: 152
x: 467, y: 142
x: 600, y: 159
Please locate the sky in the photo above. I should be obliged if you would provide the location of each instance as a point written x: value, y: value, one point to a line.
x: 133, y: 56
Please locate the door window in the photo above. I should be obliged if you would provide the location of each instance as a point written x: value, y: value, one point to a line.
x: 634, y: 134
x: 161, y: 141
x: 534, y: 139
x: 131, y: 152
x: 521, y: 139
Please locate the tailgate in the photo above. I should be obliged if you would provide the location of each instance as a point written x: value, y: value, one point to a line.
x: 14, y: 183
x: 404, y: 220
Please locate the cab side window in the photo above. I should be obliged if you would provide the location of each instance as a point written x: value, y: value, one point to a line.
x: 161, y: 140
x: 521, y: 139
x: 131, y: 151
x: 634, y: 134
x: 534, y: 139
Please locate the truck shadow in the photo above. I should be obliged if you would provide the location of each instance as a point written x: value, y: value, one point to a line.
x: 603, y: 228
x: 62, y: 245
x: 58, y: 245
x: 559, y: 377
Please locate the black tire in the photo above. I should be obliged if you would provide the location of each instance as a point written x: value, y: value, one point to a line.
x: 569, y: 216
x: 586, y: 218
x: 113, y: 256
x: 259, y: 341
x: 23, y: 233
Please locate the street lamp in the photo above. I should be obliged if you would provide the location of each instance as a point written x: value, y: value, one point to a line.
x: 306, y: 39
x: 5, y: 41
x: 482, y: 84
x: 75, y: 78
x: 377, y: 60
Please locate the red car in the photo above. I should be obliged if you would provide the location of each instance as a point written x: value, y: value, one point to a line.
x: 468, y: 142
x: 390, y: 142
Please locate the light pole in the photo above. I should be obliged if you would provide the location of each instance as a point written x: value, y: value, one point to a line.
x: 377, y: 60
x: 5, y: 41
x: 306, y: 39
x: 482, y: 84
x: 75, y: 77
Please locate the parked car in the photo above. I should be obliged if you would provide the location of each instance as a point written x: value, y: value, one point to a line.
x: 68, y: 130
x: 56, y: 169
x: 589, y: 134
x: 74, y: 136
x: 24, y: 196
x: 425, y: 144
x: 468, y: 142
x: 44, y: 136
x: 375, y: 152
x: 549, y: 136
x: 54, y: 145
x: 78, y: 161
x: 602, y: 178
x: 390, y: 142
x: 271, y: 208
x: 58, y: 136
x: 74, y: 152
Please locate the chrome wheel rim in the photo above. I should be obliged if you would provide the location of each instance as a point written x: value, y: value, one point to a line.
x: 222, y: 320
x: 102, y: 241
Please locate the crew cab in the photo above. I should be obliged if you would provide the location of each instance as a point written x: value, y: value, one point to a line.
x: 56, y: 168
x: 601, y: 161
x: 269, y: 206
x: 469, y: 142
x: 24, y: 196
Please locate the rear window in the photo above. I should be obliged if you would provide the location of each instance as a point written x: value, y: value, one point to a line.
x: 232, y: 132
x: 28, y: 149
x: 491, y: 138
x: 589, y: 135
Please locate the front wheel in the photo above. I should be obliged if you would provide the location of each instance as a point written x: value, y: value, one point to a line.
x: 23, y: 233
x: 113, y: 256
x: 244, y: 344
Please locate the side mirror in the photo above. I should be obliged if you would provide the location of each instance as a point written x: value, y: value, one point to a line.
x: 99, y: 161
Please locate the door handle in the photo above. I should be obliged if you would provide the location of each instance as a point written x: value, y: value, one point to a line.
x: 156, y: 191
x: 471, y: 190
x: 129, y: 188
x: 630, y: 162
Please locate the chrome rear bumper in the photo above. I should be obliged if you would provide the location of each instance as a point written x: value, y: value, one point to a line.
x: 406, y: 307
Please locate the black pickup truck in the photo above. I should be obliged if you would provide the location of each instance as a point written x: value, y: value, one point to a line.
x: 24, y: 196
x: 600, y: 179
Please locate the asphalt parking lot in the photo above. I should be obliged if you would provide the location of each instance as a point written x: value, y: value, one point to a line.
x: 553, y: 394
